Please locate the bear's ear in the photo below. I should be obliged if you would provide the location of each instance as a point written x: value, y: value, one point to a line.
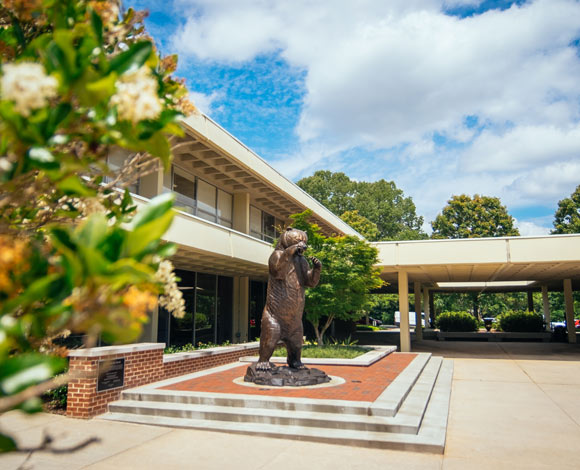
x: 289, y: 228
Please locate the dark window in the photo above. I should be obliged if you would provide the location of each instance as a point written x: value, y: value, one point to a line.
x: 257, y: 303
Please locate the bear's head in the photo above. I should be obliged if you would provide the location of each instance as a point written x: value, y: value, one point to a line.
x: 293, y: 236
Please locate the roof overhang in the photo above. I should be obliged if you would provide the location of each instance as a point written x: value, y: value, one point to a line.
x: 210, y: 151
x: 528, y: 262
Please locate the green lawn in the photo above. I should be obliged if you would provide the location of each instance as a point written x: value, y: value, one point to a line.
x: 327, y: 351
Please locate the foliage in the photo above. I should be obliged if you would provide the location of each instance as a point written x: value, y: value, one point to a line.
x: 57, y: 397
x: 456, y: 321
x: 473, y: 217
x: 327, y: 351
x: 567, y: 216
x: 78, y: 83
x: 190, y: 347
x: 520, y: 321
x: 384, y: 307
x: 361, y: 224
x: 348, y: 274
x: 367, y: 328
x: 380, y: 202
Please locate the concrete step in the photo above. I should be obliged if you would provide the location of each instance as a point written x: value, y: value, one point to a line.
x: 407, y: 420
x: 430, y: 435
x: 387, y: 404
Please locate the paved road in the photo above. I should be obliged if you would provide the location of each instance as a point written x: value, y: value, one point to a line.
x: 513, y: 406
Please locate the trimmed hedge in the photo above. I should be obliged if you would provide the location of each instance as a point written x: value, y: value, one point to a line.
x: 456, y: 321
x: 521, y: 322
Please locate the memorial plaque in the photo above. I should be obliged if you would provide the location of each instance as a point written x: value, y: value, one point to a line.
x: 111, y: 374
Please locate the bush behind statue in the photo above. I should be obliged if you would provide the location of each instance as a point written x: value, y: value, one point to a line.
x: 521, y: 322
x: 456, y: 321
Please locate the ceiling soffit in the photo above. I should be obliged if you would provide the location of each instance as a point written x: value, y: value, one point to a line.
x: 230, y: 175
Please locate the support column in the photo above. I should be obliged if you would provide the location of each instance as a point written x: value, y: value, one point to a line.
x: 569, y: 310
x: 432, y: 306
x: 241, y: 309
x: 418, y: 311
x: 241, y: 216
x: 426, y: 306
x: 546, y: 306
x: 404, y: 309
x: 151, y: 185
x: 530, y: 301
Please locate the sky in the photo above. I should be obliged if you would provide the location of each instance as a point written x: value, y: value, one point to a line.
x: 442, y: 97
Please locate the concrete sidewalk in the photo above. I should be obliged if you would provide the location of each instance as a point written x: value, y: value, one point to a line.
x: 513, y: 405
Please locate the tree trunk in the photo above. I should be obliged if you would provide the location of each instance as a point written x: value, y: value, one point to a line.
x: 320, y: 332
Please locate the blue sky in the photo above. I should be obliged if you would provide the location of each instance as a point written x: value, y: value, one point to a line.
x: 441, y: 96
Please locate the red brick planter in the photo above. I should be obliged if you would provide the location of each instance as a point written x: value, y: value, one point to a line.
x: 144, y: 363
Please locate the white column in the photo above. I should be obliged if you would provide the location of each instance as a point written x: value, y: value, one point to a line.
x: 241, y: 215
x: 546, y: 305
x: 426, y: 306
x: 569, y: 310
x: 404, y: 309
x: 418, y: 309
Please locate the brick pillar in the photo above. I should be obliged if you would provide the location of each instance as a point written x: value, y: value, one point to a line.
x: 143, y: 365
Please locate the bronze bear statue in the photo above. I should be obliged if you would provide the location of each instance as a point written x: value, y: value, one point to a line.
x: 289, y: 275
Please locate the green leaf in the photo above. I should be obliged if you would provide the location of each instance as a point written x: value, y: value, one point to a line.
x: 73, y: 185
x: 93, y: 231
x: 65, y: 41
x: 20, y: 372
x: 7, y: 444
x: 146, y: 233
x: 38, y: 290
x: 158, y: 146
x: 55, y: 117
x: 32, y: 405
x: 97, y: 25
x: 133, y: 58
x: 103, y: 89
x: 167, y: 250
x: 156, y: 208
x: 129, y: 271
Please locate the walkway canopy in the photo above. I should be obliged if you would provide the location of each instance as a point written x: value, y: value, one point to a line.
x: 480, y: 264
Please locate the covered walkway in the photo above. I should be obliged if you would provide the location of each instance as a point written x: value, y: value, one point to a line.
x: 483, y: 265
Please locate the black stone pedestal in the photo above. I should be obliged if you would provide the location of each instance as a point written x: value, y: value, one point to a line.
x: 285, y: 376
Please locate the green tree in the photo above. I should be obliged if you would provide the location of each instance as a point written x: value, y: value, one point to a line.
x: 335, y: 191
x: 362, y: 225
x: 473, y: 217
x: 77, y: 82
x: 567, y: 216
x: 381, y: 202
x: 348, y: 275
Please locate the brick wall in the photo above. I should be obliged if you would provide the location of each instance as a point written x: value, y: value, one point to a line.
x: 205, y: 359
x: 144, y: 363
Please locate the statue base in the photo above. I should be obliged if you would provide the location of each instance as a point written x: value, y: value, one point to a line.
x: 285, y: 376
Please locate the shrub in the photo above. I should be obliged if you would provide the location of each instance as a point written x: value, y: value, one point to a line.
x: 522, y: 322
x: 367, y: 328
x: 456, y: 321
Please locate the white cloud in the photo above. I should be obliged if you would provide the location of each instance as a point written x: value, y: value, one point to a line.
x: 393, y: 75
x: 530, y: 228
x: 204, y: 102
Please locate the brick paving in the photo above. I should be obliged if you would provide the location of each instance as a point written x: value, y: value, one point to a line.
x: 362, y: 383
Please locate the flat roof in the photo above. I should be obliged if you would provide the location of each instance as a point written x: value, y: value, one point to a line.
x: 535, y: 260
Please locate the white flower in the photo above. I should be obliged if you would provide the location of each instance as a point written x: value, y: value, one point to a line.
x: 172, y: 298
x: 28, y: 85
x: 136, y: 97
x: 5, y: 164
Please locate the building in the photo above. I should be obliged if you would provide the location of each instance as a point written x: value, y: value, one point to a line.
x: 230, y: 202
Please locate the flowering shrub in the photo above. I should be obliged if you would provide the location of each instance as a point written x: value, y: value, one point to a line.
x: 78, y: 80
